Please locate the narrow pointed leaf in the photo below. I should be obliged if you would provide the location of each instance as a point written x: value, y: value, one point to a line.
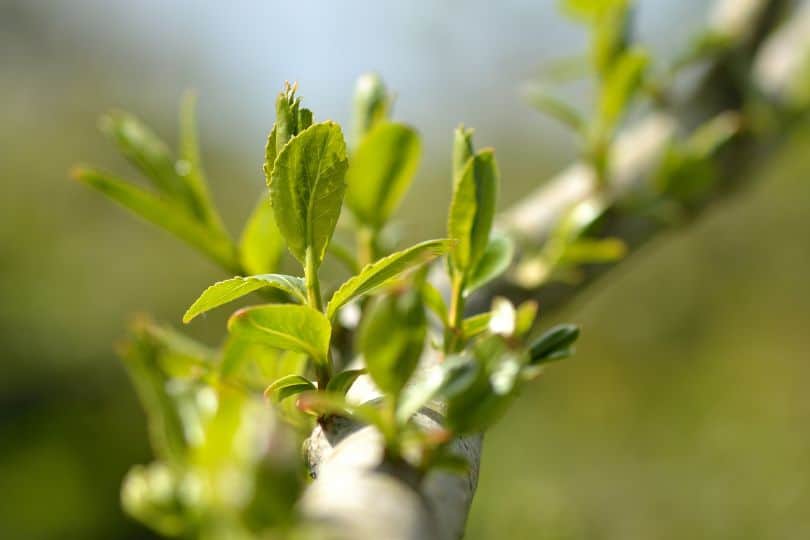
x: 379, y: 273
x: 545, y: 102
x: 476, y: 325
x: 472, y: 209
x: 261, y: 245
x: 151, y: 155
x: 164, y: 214
x: 344, y: 380
x: 624, y: 80
x: 288, y: 386
x: 229, y: 290
x: 190, y: 167
x: 553, y: 344
x: 307, y: 186
x: 380, y: 172
x: 285, y: 326
x: 494, y: 262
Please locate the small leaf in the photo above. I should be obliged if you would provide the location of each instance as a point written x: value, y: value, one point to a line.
x: 190, y: 167
x: 542, y: 100
x: 229, y: 290
x: 380, y: 172
x: 151, y: 156
x: 593, y: 251
x: 472, y: 209
x: 288, y: 386
x: 344, y: 380
x: 553, y: 344
x: 476, y: 325
x: 163, y: 214
x: 391, y: 339
x: 371, y: 104
x: 449, y: 378
x: 381, y: 272
x: 621, y: 85
x: 306, y: 188
x: 494, y: 262
x: 434, y: 301
x: 526, y: 314
x: 329, y: 403
x: 288, y: 327
x: 261, y: 246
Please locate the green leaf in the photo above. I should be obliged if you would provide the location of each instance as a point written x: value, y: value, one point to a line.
x: 229, y: 290
x: 391, y: 339
x: 162, y: 213
x: 542, y: 100
x: 288, y: 386
x: 449, y: 378
x: 261, y: 246
x: 476, y: 325
x: 554, y: 344
x: 434, y: 301
x: 189, y: 168
x: 620, y: 86
x: 151, y: 156
x: 472, y: 209
x: 593, y: 251
x: 379, y: 273
x: 269, y: 154
x: 371, y: 104
x: 526, y: 314
x: 286, y: 326
x: 306, y: 188
x: 380, y: 172
x: 463, y: 149
x: 344, y: 380
x: 494, y: 262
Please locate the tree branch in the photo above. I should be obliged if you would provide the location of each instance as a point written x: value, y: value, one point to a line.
x: 356, y: 494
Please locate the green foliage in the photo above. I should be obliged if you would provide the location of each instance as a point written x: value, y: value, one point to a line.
x: 229, y: 290
x: 382, y: 168
x: 205, y: 405
x: 380, y: 273
x: 306, y: 189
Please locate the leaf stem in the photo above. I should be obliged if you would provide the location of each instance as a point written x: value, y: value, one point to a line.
x: 366, y: 241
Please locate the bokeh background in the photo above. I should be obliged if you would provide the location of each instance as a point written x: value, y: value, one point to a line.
x: 685, y: 413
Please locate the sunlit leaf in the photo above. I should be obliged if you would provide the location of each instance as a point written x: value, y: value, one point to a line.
x: 229, y: 290
x: 286, y: 326
x: 449, y: 378
x: 261, y: 246
x: 476, y: 325
x: 472, y: 209
x: 306, y: 188
x: 380, y: 172
x: 494, y: 262
x: 379, y: 273
x: 344, y: 380
x: 391, y: 339
x: 162, y: 213
x: 621, y: 84
x: 288, y: 386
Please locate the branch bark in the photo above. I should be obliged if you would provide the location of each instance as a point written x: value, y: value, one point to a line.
x: 356, y: 493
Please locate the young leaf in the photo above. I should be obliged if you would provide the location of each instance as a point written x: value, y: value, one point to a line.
x: 288, y: 386
x: 472, y: 209
x: 151, y: 155
x: 434, y: 301
x: 229, y: 290
x: 545, y: 102
x: 391, y: 340
x: 261, y: 246
x: 306, y: 189
x: 450, y: 377
x: 371, y: 104
x: 553, y: 344
x: 494, y: 262
x: 163, y: 214
x: 476, y: 325
x: 624, y: 80
x: 524, y: 320
x: 380, y: 172
x: 379, y: 273
x: 285, y: 326
x: 344, y: 380
x: 190, y: 167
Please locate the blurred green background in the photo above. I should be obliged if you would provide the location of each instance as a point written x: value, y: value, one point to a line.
x: 685, y: 412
